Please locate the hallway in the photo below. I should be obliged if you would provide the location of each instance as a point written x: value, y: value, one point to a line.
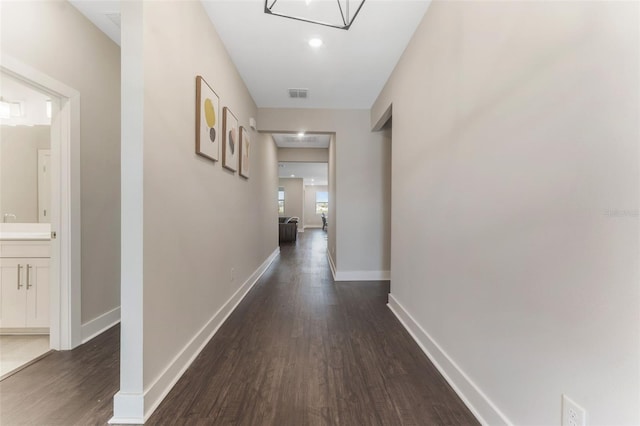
x: 299, y: 350
x: 303, y: 350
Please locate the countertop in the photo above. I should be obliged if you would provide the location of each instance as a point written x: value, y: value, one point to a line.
x: 25, y: 231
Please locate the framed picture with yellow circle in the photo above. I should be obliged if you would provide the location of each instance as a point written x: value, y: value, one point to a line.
x: 207, y: 120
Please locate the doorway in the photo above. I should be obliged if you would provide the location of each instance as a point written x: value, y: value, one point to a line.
x: 25, y: 193
x: 48, y: 237
x: 385, y: 128
x: 304, y: 193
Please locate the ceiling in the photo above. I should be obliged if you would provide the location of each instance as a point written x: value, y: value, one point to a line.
x: 312, y: 173
x: 272, y: 53
x: 292, y: 140
x: 105, y: 14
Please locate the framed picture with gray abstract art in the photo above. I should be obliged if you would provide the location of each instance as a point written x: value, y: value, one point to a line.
x: 207, y: 120
x: 245, y: 145
x: 230, y: 146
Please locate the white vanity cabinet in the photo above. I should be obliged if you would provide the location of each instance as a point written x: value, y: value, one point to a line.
x: 24, y: 286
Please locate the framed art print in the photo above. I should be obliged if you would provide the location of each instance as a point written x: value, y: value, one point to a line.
x: 207, y: 120
x: 230, y: 146
x: 245, y: 145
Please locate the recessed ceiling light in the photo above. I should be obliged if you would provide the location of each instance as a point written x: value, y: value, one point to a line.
x: 301, y: 134
x: 312, y: 180
x: 293, y: 175
x: 315, y: 42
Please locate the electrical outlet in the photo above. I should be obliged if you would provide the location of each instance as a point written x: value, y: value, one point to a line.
x: 572, y: 413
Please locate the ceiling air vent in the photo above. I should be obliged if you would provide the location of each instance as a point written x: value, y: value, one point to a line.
x: 298, y: 93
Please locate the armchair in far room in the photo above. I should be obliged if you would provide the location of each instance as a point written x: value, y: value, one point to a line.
x: 287, y: 229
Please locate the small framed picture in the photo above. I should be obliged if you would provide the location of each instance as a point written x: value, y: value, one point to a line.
x: 245, y: 146
x: 207, y: 120
x: 230, y: 145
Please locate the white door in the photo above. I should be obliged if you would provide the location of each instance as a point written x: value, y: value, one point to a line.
x: 44, y: 186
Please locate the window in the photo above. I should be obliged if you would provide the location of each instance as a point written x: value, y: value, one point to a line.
x: 281, y: 200
x: 322, y: 202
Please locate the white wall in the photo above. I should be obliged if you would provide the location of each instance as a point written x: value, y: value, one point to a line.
x: 311, y: 219
x: 206, y: 232
x: 515, y: 140
x: 19, y: 147
x: 54, y: 38
x: 361, y: 220
x: 293, y: 198
x: 307, y: 155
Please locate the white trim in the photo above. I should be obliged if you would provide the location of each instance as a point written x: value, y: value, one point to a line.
x: 480, y: 405
x: 100, y: 324
x: 130, y: 407
x: 362, y: 275
x: 331, y: 265
x: 128, y: 403
x: 356, y: 275
x: 158, y: 390
x: 65, y: 285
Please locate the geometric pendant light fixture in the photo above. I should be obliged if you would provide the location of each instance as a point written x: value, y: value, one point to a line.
x: 336, y: 14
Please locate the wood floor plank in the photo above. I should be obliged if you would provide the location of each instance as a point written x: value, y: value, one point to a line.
x: 300, y: 349
x: 65, y: 388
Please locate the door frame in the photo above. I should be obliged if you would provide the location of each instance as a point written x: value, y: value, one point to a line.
x: 65, y: 285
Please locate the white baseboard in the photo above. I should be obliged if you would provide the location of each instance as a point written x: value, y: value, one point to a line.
x: 357, y: 275
x: 130, y: 408
x: 362, y: 276
x: 313, y: 227
x: 156, y: 392
x: 99, y: 325
x: 485, y: 411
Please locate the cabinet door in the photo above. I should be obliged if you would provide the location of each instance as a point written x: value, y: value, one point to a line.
x: 13, y: 300
x: 37, y: 290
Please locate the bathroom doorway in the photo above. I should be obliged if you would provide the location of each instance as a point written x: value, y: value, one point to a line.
x: 40, y: 225
x: 25, y: 206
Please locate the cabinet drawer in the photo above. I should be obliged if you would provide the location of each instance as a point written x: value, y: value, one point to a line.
x: 25, y: 249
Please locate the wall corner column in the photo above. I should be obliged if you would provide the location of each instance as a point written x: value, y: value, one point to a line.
x: 128, y: 407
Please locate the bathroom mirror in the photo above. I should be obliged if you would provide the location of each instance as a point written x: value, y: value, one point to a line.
x: 25, y: 152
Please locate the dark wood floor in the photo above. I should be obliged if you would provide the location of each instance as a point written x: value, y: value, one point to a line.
x: 299, y: 350
x: 65, y: 388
